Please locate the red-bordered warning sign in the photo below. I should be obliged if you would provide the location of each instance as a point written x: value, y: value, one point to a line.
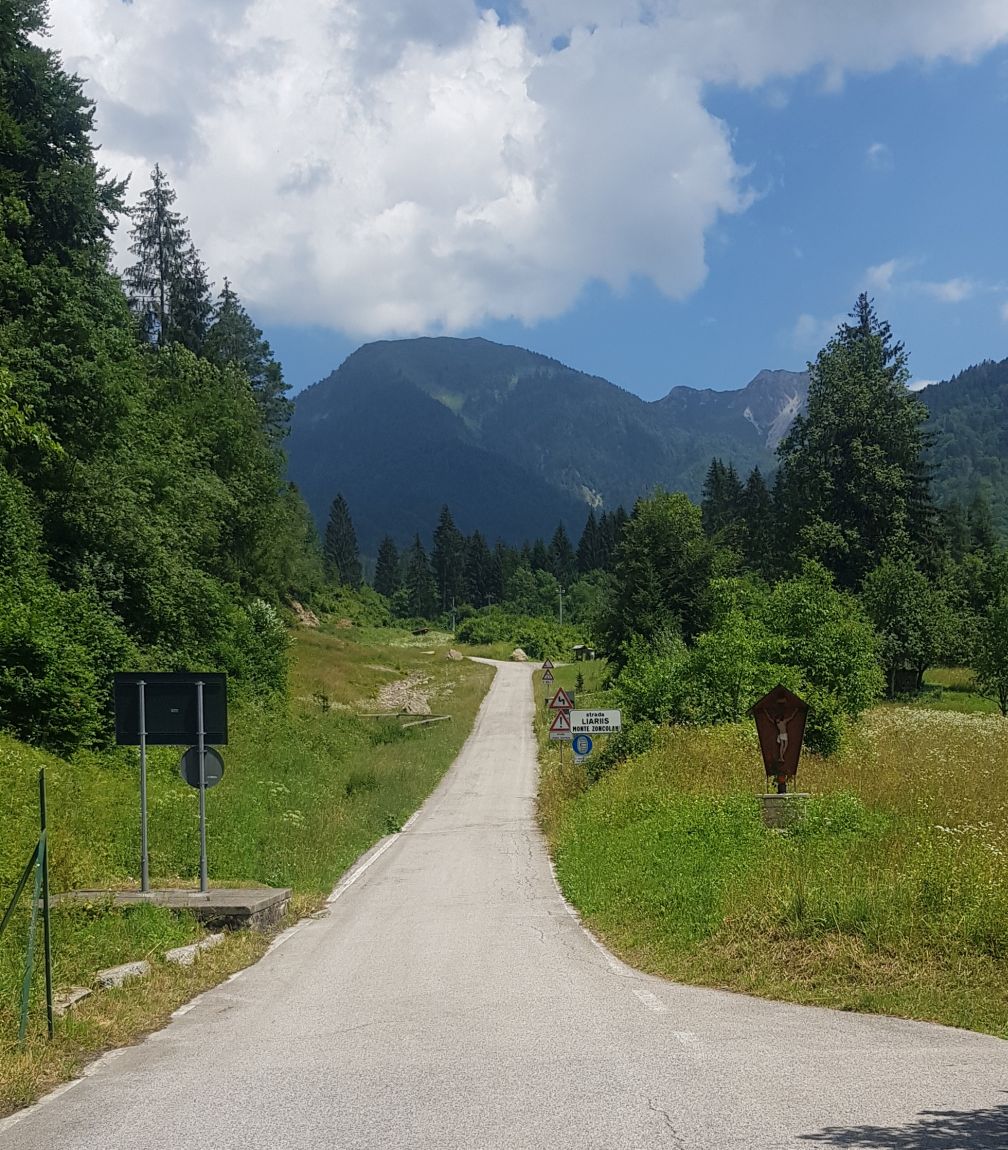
x: 560, y: 728
x: 548, y: 665
x: 547, y: 676
x: 561, y: 701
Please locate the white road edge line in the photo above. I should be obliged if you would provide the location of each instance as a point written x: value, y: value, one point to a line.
x: 351, y: 878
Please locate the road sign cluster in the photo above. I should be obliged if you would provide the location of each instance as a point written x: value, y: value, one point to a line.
x: 576, y: 727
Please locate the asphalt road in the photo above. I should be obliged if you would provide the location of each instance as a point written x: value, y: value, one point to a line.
x: 450, y: 999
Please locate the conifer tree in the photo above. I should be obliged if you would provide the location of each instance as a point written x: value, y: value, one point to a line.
x: 448, y: 560
x: 853, y: 481
x: 168, y: 286
x: 758, y: 525
x: 234, y: 338
x: 539, y: 557
x: 478, y: 570
x: 388, y: 573
x: 342, y: 557
x: 589, y: 551
x: 562, y: 560
x: 418, y: 582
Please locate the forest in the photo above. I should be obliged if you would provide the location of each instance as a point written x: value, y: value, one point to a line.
x: 144, y: 516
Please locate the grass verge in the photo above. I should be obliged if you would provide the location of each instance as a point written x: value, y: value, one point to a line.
x: 307, y: 788
x: 892, y: 897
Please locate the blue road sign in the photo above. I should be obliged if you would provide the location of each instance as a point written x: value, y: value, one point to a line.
x: 581, y: 745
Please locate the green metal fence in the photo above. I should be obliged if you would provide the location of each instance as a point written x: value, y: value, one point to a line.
x: 39, y: 862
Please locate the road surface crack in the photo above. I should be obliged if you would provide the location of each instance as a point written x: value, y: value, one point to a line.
x: 667, y: 1119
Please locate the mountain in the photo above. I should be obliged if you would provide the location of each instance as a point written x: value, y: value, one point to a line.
x: 969, y: 423
x: 514, y: 442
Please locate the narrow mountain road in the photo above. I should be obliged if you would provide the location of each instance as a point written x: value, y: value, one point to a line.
x: 450, y: 999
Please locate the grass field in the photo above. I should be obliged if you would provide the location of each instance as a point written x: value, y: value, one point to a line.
x: 892, y: 897
x: 306, y: 789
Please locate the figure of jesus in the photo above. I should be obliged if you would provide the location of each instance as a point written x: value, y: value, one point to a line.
x: 782, y: 735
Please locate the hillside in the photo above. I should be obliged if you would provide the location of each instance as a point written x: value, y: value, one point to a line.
x: 969, y: 419
x: 515, y: 442
x: 512, y: 440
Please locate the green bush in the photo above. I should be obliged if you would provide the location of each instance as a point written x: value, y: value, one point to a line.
x: 58, y: 651
x: 803, y: 633
x: 636, y: 738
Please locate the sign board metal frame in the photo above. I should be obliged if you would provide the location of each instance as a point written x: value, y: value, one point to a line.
x: 157, y: 708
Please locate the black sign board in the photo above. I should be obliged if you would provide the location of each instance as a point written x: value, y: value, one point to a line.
x: 170, y: 708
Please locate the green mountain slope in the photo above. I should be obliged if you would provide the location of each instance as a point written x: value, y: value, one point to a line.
x: 969, y: 420
x: 513, y: 441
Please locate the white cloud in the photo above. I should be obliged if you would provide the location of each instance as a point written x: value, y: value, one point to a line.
x: 811, y: 333
x: 949, y: 291
x: 879, y: 156
x: 920, y: 384
x: 394, y: 166
x: 1004, y: 312
x: 880, y: 277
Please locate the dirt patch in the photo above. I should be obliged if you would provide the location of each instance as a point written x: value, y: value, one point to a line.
x: 305, y: 615
x: 406, y: 696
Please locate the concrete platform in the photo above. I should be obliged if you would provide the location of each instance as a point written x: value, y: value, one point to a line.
x: 231, y: 908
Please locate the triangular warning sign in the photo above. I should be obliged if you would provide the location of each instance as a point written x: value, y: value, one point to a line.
x: 561, y: 701
x: 548, y: 665
x: 561, y: 723
x: 547, y: 676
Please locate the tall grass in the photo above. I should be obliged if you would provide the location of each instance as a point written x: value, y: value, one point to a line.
x: 892, y: 895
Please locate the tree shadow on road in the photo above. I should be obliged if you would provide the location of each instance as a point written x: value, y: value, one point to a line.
x: 930, y: 1130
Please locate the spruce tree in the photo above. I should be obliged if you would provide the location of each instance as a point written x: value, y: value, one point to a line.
x: 234, y: 338
x: 448, y: 560
x: 342, y: 558
x: 562, y: 560
x: 418, y: 582
x: 758, y: 523
x: 388, y: 574
x: 589, y: 551
x: 478, y: 571
x: 853, y: 482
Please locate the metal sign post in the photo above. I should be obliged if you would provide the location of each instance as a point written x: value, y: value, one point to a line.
x: 204, y: 881
x: 144, y: 864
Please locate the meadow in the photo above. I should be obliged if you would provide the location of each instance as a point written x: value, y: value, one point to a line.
x: 891, y: 896
x: 308, y: 786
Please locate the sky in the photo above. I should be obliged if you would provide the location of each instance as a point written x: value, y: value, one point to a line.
x: 661, y: 192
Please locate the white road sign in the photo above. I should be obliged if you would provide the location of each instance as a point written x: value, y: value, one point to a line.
x: 595, y: 722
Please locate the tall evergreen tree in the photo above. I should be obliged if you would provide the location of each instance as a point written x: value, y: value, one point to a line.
x: 721, y: 501
x: 983, y: 536
x: 161, y: 245
x: 590, y: 550
x: 448, y: 560
x: 418, y: 582
x: 562, y: 560
x: 388, y: 573
x: 479, y: 573
x: 342, y: 557
x: 234, y: 338
x: 852, y: 474
x: 758, y: 522
x: 539, y: 557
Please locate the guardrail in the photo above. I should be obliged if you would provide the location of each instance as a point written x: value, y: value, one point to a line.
x: 39, y: 861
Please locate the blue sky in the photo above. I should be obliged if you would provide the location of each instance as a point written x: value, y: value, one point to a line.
x: 662, y: 193
x: 910, y: 166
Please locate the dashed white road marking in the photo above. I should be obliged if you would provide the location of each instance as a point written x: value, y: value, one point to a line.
x: 652, y: 1002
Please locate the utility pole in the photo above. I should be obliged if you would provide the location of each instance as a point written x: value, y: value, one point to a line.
x: 561, y: 605
x: 453, y: 614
